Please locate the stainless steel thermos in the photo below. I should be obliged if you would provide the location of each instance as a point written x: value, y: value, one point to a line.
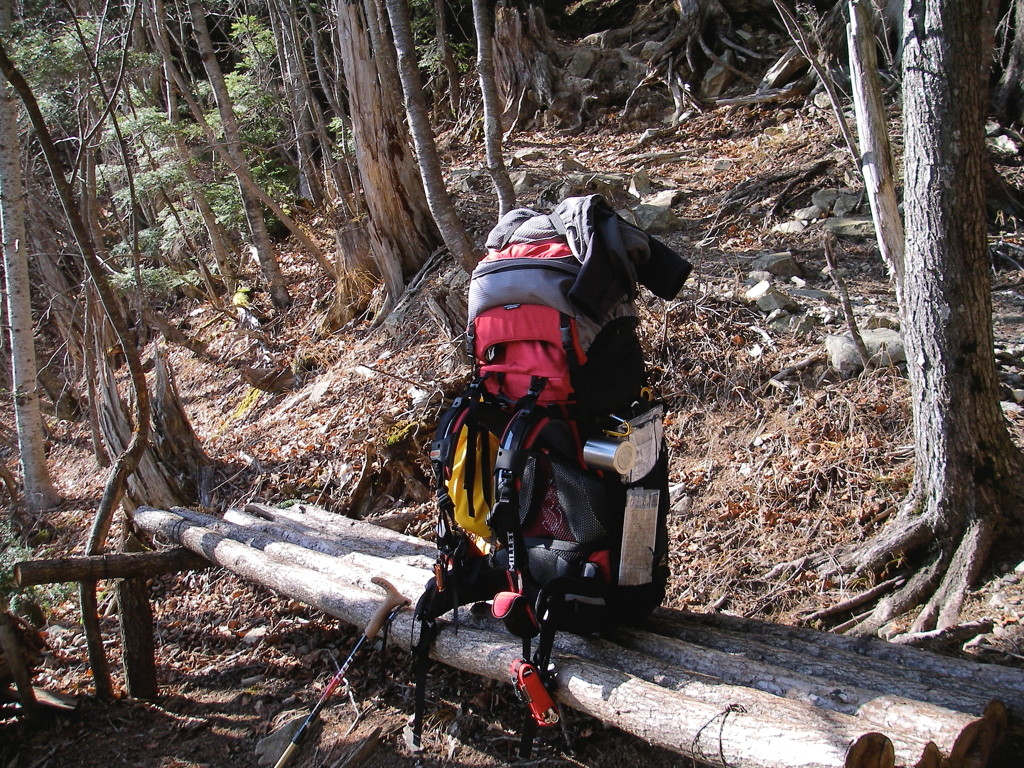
x: 613, y: 455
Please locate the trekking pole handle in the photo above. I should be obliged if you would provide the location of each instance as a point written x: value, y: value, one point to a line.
x: 392, y: 601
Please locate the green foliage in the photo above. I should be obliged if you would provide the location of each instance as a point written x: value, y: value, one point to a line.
x: 28, y: 602
x: 461, y: 36
x: 161, y: 282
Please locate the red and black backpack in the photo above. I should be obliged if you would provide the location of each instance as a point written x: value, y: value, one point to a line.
x: 550, y: 470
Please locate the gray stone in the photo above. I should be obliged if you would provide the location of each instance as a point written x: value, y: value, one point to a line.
x: 472, y: 181
x: 839, y: 271
x: 825, y: 198
x: 774, y: 299
x: 580, y: 64
x: 656, y: 219
x: 640, y: 185
x: 527, y: 156
x: 759, y: 276
x: 648, y: 49
x: 822, y: 100
x: 664, y: 198
x: 1003, y: 144
x: 854, y: 226
x: 757, y: 291
x: 722, y: 165
x: 718, y: 77
x: 570, y: 165
x: 611, y: 185
x: 790, y: 227
x: 809, y: 214
x: 815, y: 294
x: 884, y: 346
x: 522, y: 181
x: 801, y: 325
x: 882, y: 321
x: 846, y: 203
x: 627, y: 215
x: 781, y: 264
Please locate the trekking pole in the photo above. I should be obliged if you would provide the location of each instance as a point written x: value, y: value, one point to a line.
x: 393, y: 602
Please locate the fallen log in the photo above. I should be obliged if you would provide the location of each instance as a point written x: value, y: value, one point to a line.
x: 687, y: 694
x: 863, y: 662
x: 344, y: 530
x: 940, y: 724
x: 798, y: 671
x: 869, y: 653
x: 115, y: 566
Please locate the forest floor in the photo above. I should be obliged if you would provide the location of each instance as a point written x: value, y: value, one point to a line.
x: 762, y: 474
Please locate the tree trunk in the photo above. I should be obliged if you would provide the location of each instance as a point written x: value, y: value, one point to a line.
x: 334, y: 153
x: 452, y: 231
x: 967, y: 470
x: 492, y: 109
x: 524, y: 69
x: 641, y: 690
x: 219, y: 243
x: 450, y: 67
x: 232, y: 140
x: 402, y: 232
x: 297, y: 93
x: 39, y: 492
x: 174, y: 469
x: 875, y: 153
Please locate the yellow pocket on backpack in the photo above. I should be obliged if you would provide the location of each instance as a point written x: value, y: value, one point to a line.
x: 471, y: 482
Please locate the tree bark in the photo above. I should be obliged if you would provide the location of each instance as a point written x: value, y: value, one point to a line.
x: 875, y: 154
x: 125, y: 565
x: 298, y: 95
x: 441, y: 206
x: 967, y: 470
x: 15, y: 662
x: 450, y: 67
x: 492, y: 110
x: 232, y: 141
x: 751, y: 727
x: 39, y: 493
x: 523, y: 67
x: 402, y: 232
x: 135, y: 614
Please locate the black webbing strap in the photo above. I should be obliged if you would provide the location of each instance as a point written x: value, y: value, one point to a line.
x: 568, y: 343
x: 529, y: 734
x: 421, y: 665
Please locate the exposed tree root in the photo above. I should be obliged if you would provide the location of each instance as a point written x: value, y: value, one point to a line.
x: 909, y: 595
x: 959, y: 533
x: 943, y: 609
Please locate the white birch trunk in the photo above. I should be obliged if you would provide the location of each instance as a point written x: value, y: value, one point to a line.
x: 39, y: 491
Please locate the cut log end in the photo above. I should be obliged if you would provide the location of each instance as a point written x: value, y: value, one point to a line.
x: 872, y: 750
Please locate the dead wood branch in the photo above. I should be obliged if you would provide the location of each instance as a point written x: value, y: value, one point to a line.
x: 114, y: 566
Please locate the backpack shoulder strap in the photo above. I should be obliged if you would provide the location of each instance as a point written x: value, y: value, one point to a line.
x: 558, y: 224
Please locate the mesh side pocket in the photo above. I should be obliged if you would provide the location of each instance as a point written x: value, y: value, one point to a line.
x: 584, y: 503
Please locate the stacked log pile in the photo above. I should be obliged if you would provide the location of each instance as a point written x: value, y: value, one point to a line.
x: 718, y: 688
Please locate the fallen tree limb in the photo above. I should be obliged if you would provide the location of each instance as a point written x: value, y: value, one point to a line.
x: 98, y: 567
x: 750, y: 726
